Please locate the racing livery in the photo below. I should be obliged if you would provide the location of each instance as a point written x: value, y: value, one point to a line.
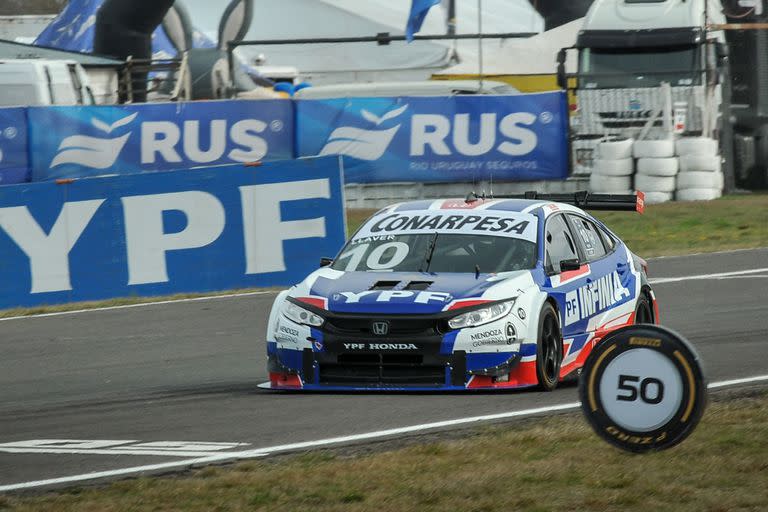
x: 460, y: 295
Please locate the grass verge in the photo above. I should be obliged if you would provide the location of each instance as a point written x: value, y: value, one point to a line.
x: 557, y: 464
x: 733, y: 222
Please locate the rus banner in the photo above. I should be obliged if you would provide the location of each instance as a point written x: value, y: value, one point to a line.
x: 99, y: 140
x: 439, y: 139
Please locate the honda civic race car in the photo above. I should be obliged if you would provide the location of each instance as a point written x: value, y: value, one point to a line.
x: 463, y: 294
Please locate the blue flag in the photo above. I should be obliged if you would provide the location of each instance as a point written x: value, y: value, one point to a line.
x: 419, y: 10
x: 73, y: 29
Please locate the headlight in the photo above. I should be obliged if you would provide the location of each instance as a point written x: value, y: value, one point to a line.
x: 300, y: 315
x: 481, y: 316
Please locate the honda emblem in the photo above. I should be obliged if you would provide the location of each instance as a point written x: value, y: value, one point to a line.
x: 380, y: 328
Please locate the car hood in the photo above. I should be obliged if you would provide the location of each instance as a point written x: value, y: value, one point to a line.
x: 399, y: 292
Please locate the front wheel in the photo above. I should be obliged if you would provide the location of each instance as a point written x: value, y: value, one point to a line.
x: 549, y: 351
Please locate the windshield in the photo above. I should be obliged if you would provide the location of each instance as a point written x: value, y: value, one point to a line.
x: 604, y: 68
x: 435, y: 252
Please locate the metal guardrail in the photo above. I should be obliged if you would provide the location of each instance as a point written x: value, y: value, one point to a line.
x: 607, y: 109
x: 599, y: 109
x: 143, y: 78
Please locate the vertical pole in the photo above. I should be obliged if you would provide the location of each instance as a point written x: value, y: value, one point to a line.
x: 760, y: 82
x: 706, y: 16
x: 709, y: 85
x: 129, y: 77
x: 668, y: 123
x: 726, y: 132
x: 452, y: 30
x: 451, y: 17
x: 231, y: 65
x: 480, y: 40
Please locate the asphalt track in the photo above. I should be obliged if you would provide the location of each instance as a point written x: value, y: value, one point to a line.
x: 146, y: 381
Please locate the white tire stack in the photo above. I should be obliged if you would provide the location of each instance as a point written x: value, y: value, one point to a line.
x: 701, y: 177
x: 657, y: 168
x: 613, y: 167
x: 663, y: 148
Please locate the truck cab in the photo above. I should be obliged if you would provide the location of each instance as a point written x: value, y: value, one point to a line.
x: 641, y: 62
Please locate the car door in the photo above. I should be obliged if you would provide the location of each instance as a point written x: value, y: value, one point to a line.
x: 611, y: 285
x: 597, y: 294
x: 560, y: 245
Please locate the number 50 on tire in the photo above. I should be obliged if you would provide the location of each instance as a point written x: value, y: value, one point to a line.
x: 643, y: 388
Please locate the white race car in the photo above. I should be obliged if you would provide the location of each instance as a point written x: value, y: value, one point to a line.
x: 461, y: 295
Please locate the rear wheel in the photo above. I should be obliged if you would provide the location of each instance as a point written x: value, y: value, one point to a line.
x: 549, y: 350
x: 643, y: 310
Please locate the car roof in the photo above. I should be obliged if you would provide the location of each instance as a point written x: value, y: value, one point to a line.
x: 530, y: 206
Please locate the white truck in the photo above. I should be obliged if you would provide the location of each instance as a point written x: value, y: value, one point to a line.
x: 647, y: 69
x: 29, y: 82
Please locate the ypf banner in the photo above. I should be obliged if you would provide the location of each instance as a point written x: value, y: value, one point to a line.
x: 456, y: 138
x: 97, y: 140
x: 14, y: 167
x: 168, y: 232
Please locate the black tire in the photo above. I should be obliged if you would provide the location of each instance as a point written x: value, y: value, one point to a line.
x: 643, y: 310
x: 549, y: 349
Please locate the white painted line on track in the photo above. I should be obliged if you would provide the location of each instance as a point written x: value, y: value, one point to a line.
x: 263, y: 452
x: 737, y: 382
x: 763, y: 276
x: 120, y: 447
x: 662, y: 280
x: 73, y: 451
x: 142, y: 305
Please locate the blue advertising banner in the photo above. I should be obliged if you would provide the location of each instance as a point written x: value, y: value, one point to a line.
x: 14, y: 167
x: 98, y: 140
x: 421, y: 139
x: 168, y: 232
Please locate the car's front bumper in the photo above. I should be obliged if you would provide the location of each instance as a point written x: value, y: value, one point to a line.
x: 313, y: 370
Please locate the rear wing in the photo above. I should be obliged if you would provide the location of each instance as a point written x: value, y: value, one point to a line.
x: 581, y: 199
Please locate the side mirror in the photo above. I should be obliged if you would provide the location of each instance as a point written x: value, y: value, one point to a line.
x: 568, y: 265
x: 324, y: 262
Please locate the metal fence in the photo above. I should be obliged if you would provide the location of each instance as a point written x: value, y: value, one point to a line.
x: 688, y: 102
x: 152, y: 80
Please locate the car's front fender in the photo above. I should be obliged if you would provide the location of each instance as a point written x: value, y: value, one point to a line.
x: 274, y: 314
